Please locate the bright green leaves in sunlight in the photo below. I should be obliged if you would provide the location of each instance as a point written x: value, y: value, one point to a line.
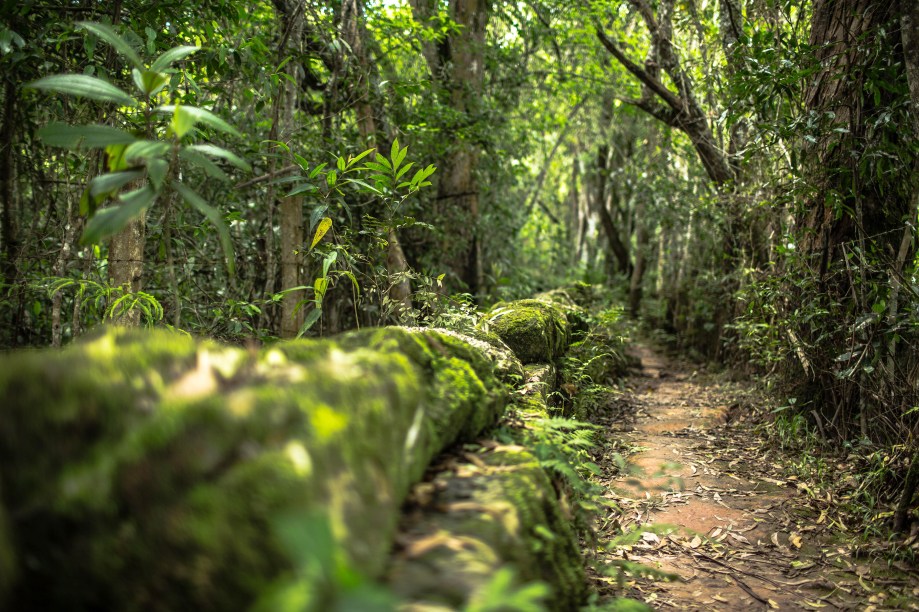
x: 383, y: 178
x: 147, y: 151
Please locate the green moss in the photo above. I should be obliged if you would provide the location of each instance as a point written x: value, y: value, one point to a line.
x: 505, y: 514
x: 535, y: 330
x: 149, y: 477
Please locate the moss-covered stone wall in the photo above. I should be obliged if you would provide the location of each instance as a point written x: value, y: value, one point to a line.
x: 143, y: 470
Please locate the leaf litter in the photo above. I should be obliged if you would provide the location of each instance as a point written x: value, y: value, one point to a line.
x: 717, y: 509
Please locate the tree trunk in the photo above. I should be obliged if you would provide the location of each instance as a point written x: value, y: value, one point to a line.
x: 290, y: 209
x: 458, y: 65
x: 400, y: 287
x: 7, y: 224
x: 600, y: 201
x: 126, y: 266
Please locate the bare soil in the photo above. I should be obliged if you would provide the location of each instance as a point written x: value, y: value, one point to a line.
x: 705, y: 516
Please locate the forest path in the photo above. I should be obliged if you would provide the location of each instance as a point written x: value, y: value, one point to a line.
x: 706, y: 499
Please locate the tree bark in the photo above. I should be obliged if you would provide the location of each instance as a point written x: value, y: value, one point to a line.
x: 290, y: 209
x: 7, y: 224
x: 458, y: 66
x: 126, y: 266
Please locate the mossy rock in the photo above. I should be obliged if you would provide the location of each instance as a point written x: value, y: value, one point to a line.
x: 144, y: 470
x: 500, y: 512
x: 537, y: 331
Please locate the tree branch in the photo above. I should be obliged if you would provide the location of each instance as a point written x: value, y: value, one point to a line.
x: 672, y: 99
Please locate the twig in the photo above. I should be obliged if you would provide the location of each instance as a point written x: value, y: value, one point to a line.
x: 267, y: 176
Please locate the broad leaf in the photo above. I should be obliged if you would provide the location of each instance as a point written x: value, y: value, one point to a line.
x: 109, y: 35
x: 222, y: 153
x: 324, y: 226
x: 311, y: 319
x: 109, y: 221
x: 317, y: 215
x: 166, y: 60
x: 212, y: 215
x: 328, y: 261
x: 89, y: 136
x: 182, y: 121
x: 209, y: 167
x: 199, y: 115
x: 82, y: 86
x: 145, y: 149
x: 157, y: 170
x: 302, y: 188
x: 113, y: 181
x: 149, y: 82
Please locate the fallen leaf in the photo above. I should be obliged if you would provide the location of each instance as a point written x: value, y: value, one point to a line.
x: 739, y: 538
x: 775, y: 540
x: 649, y: 536
x: 696, y: 542
x: 795, y: 540
x: 773, y: 605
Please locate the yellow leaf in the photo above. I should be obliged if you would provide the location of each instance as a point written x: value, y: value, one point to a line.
x: 324, y: 226
x: 773, y: 605
x: 795, y: 540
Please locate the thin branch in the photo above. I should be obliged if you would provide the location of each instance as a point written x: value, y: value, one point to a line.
x: 672, y: 99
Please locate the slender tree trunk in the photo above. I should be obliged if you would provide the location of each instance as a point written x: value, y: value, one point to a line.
x: 290, y: 210
x: 7, y: 223
x: 458, y: 65
x: 641, y: 256
x: 126, y: 266
x: 400, y: 288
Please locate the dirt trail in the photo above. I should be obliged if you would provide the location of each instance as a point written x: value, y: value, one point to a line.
x: 707, y: 502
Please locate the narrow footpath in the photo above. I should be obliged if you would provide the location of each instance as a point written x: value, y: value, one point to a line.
x: 713, y: 523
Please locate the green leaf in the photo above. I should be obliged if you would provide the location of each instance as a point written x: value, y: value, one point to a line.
x: 324, y: 226
x: 301, y: 188
x: 354, y: 160
x: 310, y: 320
x: 320, y: 286
x: 340, y: 163
x: 357, y: 286
x: 220, y: 152
x: 380, y: 159
x: 113, y: 181
x: 182, y: 121
x: 316, y: 215
x: 109, y: 221
x: 82, y: 86
x: 328, y: 261
x: 364, y: 185
x: 145, y: 149
x: 90, y: 136
x: 394, y: 154
x: 157, y: 170
x: 109, y: 35
x: 175, y: 54
x: 199, y: 115
x: 209, y: 167
x: 377, y: 167
x: 404, y: 169
x: 317, y: 170
x: 149, y: 82
x: 212, y: 215
x: 331, y: 177
x: 302, y: 162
